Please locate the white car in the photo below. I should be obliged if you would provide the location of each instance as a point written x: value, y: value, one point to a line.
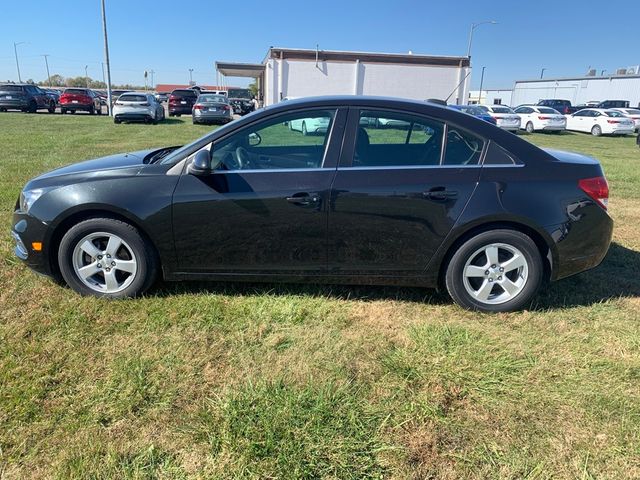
x: 599, y: 121
x: 505, y: 117
x: 632, y: 113
x: 142, y: 107
x: 310, y: 125
x: 534, y: 118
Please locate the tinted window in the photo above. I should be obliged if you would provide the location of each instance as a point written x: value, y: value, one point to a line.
x: 11, y: 88
x: 547, y: 110
x: 184, y: 93
x: 128, y: 97
x: 288, y: 141
x: 386, y: 139
x: 613, y: 113
x: 501, y: 109
x: 462, y: 147
x: 525, y: 110
x: 212, y: 99
x: 632, y: 111
x: 496, y: 155
x: 75, y: 91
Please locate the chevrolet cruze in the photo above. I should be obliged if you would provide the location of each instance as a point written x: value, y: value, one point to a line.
x: 422, y: 195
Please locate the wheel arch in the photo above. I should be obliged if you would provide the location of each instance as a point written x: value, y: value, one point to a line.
x: 545, y: 244
x: 62, y: 225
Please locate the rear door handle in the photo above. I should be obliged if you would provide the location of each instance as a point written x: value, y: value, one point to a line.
x: 440, y: 193
x: 303, y: 199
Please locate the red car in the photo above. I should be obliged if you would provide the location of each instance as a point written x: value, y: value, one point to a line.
x: 181, y: 101
x: 74, y: 99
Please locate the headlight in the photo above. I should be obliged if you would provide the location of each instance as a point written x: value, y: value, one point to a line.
x: 28, y: 198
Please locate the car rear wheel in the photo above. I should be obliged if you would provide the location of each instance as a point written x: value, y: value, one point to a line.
x: 529, y: 127
x: 596, y: 131
x: 92, y: 110
x: 52, y: 107
x: 495, y: 271
x: 105, y: 257
x: 33, y: 107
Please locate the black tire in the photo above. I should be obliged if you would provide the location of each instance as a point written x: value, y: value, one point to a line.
x: 73, y: 112
x: 596, y: 130
x: 63, y: 111
x: 33, y: 107
x: 52, y: 107
x: 99, y: 110
x: 3, y: 109
x: 529, y: 127
x: 92, y: 110
x: 455, y: 281
x: 116, y: 120
x: 178, y: 114
x: 147, y: 262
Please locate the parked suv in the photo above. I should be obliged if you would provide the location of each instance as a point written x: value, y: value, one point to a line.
x: 181, y: 101
x: 613, y: 104
x: 28, y: 98
x: 562, y: 106
x: 74, y: 99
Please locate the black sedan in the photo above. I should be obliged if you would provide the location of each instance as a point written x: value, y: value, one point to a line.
x: 423, y: 195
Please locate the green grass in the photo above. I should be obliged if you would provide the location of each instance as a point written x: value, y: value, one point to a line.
x: 237, y: 381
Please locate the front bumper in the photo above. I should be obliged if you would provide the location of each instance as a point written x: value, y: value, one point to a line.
x: 25, y: 231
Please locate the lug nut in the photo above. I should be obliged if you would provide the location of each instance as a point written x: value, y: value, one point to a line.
x: 493, y: 266
x: 99, y: 265
x: 499, y: 278
x: 491, y: 280
x: 113, y: 264
x: 486, y: 272
x: 99, y: 257
x: 501, y: 269
x: 108, y: 256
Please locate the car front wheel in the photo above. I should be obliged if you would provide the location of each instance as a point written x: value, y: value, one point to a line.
x: 495, y: 271
x: 105, y: 257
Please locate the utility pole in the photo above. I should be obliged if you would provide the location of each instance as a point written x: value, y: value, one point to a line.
x: 481, y: 82
x: 106, y: 59
x: 542, y: 73
x: 152, y: 83
x: 86, y: 76
x: 191, y: 77
x: 15, y: 50
x: 473, y: 27
x: 103, y: 78
x: 46, y: 62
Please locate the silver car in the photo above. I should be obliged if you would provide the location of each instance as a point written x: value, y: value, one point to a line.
x: 212, y: 108
x: 141, y: 107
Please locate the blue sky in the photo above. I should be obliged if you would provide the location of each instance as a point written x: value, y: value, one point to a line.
x: 170, y: 37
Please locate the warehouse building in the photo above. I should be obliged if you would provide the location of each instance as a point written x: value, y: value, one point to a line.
x: 580, y: 90
x: 491, y: 96
x: 293, y: 73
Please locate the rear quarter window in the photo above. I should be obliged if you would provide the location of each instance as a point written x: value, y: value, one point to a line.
x: 496, y: 155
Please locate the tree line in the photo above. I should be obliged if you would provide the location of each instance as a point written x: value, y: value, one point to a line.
x: 57, y: 80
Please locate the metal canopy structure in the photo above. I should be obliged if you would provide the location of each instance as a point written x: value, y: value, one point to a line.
x: 248, y: 70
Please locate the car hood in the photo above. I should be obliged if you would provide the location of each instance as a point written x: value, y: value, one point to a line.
x: 119, y: 164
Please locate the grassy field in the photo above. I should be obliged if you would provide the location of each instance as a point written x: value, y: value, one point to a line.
x: 261, y: 381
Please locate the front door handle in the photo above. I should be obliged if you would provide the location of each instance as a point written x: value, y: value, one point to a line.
x: 440, y: 193
x: 303, y: 199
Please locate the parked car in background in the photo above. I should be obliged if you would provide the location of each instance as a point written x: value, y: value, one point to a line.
x: 162, y: 97
x: 211, y: 108
x: 54, y: 94
x: 536, y: 118
x: 80, y: 99
x: 215, y: 92
x: 102, y: 96
x: 250, y: 201
x: 475, y: 111
x: 181, y: 101
x: 613, y: 104
x: 504, y: 116
x: 598, y: 121
x: 137, y: 107
x: 28, y: 98
x: 632, y: 113
x: 241, y: 100
x: 317, y: 125
x: 562, y: 106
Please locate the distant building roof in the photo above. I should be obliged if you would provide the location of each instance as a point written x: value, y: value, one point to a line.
x: 169, y: 87
x: 370, y: 57
x: 586, y: 77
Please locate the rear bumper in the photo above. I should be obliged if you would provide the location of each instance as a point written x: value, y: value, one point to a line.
x: 134, y: 117
x: 181, y: 109
x: 25, y: 230
x: 76, y: 106
x: 14, y: 104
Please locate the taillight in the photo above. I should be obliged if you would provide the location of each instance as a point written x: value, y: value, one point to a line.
x: 198, y: 107
x: 542, y: 117
x: 225, y: 107
x: 172, y: 98
x: 597, y: 188
x: 613, y: 121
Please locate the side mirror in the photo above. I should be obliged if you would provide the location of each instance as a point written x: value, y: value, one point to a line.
x: 201, y: 164
x: 254, y: 139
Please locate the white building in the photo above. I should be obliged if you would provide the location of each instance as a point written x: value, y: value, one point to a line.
x: 293, y: 73
x: 579, y: 90
x: 495, y: 96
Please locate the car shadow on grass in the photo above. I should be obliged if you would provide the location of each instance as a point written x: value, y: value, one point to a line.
x: 616, y: 277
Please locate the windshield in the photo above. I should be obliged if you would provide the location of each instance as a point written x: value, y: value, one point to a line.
x: 239, y: 93
x: 211, y: 99
x: 10, y: 88
x: 127, y: 97
x: 502, y: 110
x: 632, y: 111
x: 547, y: 110
x: 75, y: 91
x: 473, y: 110
x: 613, y: 113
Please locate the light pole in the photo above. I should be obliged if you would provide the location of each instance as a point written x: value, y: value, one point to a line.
x: 191, y: 77
x: 481, y: 83
x: 46, y: 62
x: 106, y: 59
x: 542, y: 73
x: 152, y: 84
x: 86, y: 76
x: 473, y: 27
x: 15, y: 50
